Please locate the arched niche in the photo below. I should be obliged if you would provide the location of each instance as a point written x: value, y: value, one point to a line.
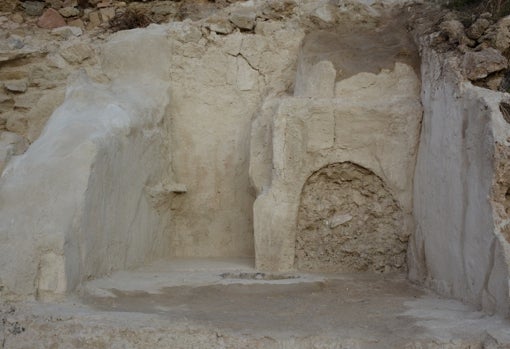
x: 348, y: 221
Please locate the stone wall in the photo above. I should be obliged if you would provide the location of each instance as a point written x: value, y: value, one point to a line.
x: 34, y: 68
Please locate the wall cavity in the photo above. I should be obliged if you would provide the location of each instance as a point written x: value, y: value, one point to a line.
x: 348, y: 221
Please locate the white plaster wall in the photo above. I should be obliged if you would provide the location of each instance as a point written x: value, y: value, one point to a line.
x: 456, y: 248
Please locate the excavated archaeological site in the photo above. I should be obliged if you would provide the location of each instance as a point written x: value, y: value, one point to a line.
x: 254, y: 174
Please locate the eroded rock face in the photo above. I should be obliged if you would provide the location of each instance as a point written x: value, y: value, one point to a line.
x: 459, y: 247
x: 348, y: 221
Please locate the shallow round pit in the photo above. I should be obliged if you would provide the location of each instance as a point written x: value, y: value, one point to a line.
x: 257, y: 276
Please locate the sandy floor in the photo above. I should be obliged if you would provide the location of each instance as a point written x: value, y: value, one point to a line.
x: 226, y: 304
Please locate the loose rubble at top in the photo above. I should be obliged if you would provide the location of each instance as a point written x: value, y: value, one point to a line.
x: 482, y: 44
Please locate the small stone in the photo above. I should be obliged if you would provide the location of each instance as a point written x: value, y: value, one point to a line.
x: 78, y: 23
x: 219, y: 25
x: 76, y: 53
x: 15, y: 42
x: 70, y: 3
x: 243, y: 18
x: 478, y: 28
x: 51, y: 19
x: 55, y: 4
x: 8, y: 6
x: 501, y: 37
x: 67, y: 32
x: 33, y: 8
x: 69, y: 12
x: 478, y: 65
x: 17, y: 18
x: 278, y: 9
x: 454, y: 30
x: 107, y: 13
x: 16, y: 85
x: 94, y: 20
x: 339, y: 220
x: 104, y: 4
x: 494, y: 83
x: 56, y: 61
x: 4, y: 97
x: 486, y: 15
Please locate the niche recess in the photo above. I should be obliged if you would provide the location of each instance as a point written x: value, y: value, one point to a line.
x: 348, y: 221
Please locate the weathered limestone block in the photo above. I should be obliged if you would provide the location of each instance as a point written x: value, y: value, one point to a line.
x: 459, y: 247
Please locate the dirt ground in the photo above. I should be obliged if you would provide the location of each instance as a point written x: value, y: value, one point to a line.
x: 226, y: 304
